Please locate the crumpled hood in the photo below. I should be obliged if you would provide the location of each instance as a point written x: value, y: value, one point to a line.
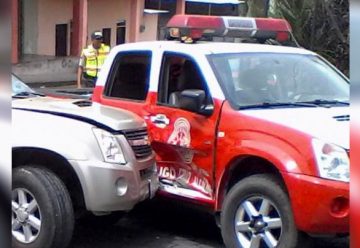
x: 328, y: 124
x: 113, y: 118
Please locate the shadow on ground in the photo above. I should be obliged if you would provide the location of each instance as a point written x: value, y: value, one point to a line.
x: 165, y: 224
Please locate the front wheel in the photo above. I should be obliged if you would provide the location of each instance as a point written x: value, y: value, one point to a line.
x: 257, y: 214
x: 42, y: 213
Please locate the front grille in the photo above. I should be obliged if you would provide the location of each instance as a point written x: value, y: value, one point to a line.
x: 139, y: 142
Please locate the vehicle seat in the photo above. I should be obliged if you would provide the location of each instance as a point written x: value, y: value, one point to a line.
x: 188, y: 79
x: 253, y: 84
x: 174, y: 98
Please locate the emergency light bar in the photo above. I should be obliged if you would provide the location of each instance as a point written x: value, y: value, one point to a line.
x: 190, y: 28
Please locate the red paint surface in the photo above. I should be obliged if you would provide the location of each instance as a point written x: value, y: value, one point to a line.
x: 287, y: 150
x: 180, y: 6
x: 312, y: 199
x: 14, y: 31
x: 78, y: 38
x: 136, y: 19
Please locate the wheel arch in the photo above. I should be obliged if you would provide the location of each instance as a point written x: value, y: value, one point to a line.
x: 241, y: 167
x: 56, y: 163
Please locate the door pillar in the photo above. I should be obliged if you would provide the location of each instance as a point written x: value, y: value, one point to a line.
x: 14, y: 31
x: 180, y: 7
x: 136, y: 18
x: 79, y: 26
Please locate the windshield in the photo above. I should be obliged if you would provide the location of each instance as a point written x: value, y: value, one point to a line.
x: 19, y: 86
x: 272, y: 78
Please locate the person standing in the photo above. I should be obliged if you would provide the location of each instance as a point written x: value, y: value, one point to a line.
x: 92, y: 59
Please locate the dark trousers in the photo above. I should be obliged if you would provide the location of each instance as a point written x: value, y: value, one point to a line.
x: 89, y: 81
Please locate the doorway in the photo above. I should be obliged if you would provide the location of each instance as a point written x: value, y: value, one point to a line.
x: 120, y: 32
x: 61, y: 39
x: 107, y: 36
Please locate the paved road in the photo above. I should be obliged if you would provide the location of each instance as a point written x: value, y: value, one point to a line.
x: 164, y: 225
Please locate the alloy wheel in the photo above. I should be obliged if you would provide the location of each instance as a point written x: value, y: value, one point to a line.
x: 258, y: 223
x: 26, y: 216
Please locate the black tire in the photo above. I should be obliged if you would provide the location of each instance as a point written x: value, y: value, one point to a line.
x: 54, y: 204
x: 256, y: 187
x: 101, y: 221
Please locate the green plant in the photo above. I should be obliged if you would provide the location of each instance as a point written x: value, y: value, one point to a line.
x: 321, y: 26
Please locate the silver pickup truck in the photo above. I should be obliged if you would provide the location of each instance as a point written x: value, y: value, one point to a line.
x: 71, y: 157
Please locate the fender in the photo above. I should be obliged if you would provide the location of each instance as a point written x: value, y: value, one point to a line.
x: 70, y: 138
x: 67, y: 153
x: 282, y: 155
x: 70, y: 116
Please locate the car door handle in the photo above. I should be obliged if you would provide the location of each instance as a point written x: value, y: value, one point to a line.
x: 160, y: 119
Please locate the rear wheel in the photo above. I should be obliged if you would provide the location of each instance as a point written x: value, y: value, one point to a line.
x: 257, y: 214
x: 42, y: 213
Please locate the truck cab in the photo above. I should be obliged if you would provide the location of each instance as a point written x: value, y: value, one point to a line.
x: 256, y: 133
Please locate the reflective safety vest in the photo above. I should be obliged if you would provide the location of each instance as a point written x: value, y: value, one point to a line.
x: 94, y: 59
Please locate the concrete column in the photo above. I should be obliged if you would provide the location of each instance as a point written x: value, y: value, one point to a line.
x: 80, y: 24
x: 136, y: 19
x: 14, y: 31
x: 180, y: 6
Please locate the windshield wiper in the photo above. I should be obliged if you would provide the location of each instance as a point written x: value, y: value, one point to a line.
x: 279, y: 104
x: 327, y: 102
x: 24, y: 94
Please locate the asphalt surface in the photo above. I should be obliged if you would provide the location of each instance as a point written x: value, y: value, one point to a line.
x: 166, y: 224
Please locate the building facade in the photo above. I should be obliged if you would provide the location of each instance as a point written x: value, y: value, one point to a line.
x: 62, y: 27
x: 48, y: 35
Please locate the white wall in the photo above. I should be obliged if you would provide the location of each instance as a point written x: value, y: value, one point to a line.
x: 101, y: 14
x: 150, y: 21
x: 105, y: 14
x: 30, y: 27
x: 50, y: 13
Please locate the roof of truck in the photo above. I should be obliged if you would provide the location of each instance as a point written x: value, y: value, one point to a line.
x: 213, y: 47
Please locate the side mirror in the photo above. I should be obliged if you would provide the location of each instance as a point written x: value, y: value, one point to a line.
x: 193, y: 100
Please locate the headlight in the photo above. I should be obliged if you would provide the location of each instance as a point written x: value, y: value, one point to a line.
x: 333, y: 161
x: 109, y: 146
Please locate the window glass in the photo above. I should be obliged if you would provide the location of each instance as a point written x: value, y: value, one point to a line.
x: 169, y: 5
x: 19, y: 86
x: 130, y: 76
x: 199, y: 8
x: 178, y: 74
x: 194, y: 8
x: 255, y: 78
x: 224, y: 10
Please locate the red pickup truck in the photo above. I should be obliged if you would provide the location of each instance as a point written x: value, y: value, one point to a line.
x: 256, y: 133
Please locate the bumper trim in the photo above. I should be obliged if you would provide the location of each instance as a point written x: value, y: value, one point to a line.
x: 99, y: 182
